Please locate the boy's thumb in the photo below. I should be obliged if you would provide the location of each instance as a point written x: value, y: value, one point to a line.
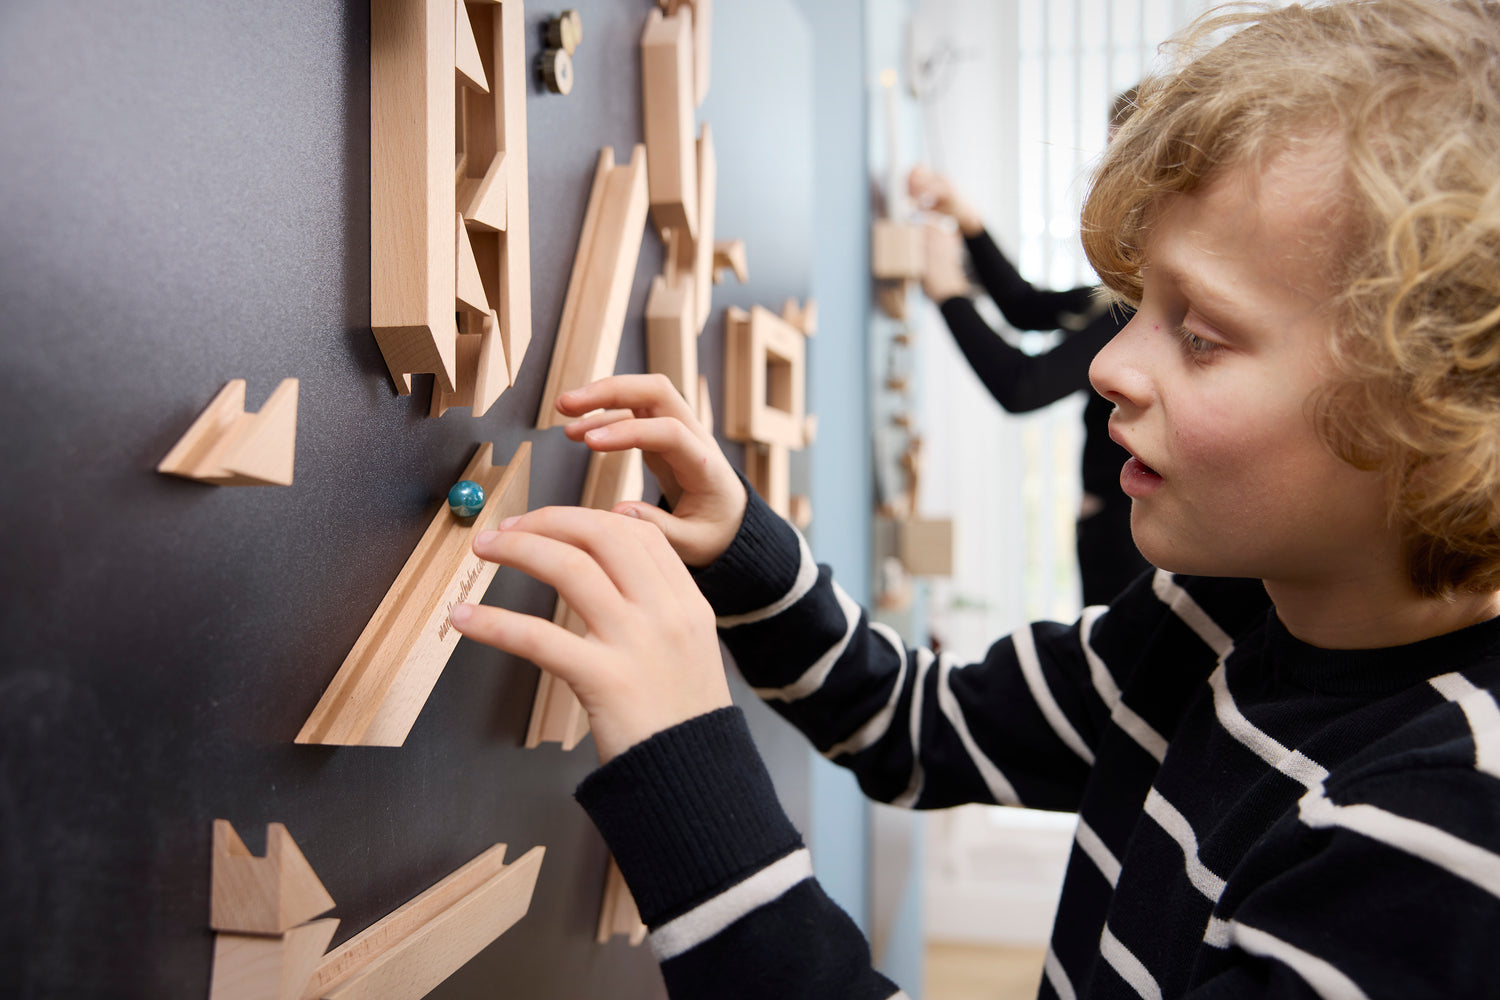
x: 678, y: 533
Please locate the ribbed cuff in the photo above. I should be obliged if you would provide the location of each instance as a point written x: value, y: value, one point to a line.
x: 758, y: 568
x: 688, y: 813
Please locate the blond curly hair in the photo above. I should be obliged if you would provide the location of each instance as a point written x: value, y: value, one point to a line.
x: 1412, y: 91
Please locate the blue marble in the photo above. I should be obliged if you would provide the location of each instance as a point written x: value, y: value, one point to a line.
x: 466, y: 498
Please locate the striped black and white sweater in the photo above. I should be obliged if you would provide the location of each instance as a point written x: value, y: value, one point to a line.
x: 1258, y: 817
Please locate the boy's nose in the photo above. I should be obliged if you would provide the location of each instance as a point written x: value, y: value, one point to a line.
x: 1117, y: 371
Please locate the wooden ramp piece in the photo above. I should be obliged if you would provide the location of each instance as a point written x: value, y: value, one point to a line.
x: 412, y: 200
x: 593, y: 315
x: 416, y: 947
x: 382, y: 685
x: 556, y: 715
x: 618, y: 913
x: 226, y: 446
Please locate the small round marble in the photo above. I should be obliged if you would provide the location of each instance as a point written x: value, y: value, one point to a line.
x: 466, y: 498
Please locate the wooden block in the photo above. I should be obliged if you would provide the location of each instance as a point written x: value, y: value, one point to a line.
x: 764, y: 378
x: 382, y: 685
x: 226, y: 446
x: 413, y: 949
x: 412, y: 113
x: 556, y: 715
x: 768, y: 466
x: 803, y: 317
x: 470, y: 286
x: 266, y: 895
x: 703, y: 243
x: 705, y: 405
x: 466, y: 51
x: 667, y: 119
x: 261, y: 967
x: 926, y: 547
x: 702, y: 14
x: 482, y: 200
x: 617, y: 912
x: 898, y: 250
x: 480, y: 361
x: 672, y: 337
x: 801, y: 513
x: 730, y: 255
x: 593, y: 314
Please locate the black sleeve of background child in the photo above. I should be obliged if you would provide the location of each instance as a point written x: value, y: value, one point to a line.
x: 1022, y: 382
x: 1024, y: 307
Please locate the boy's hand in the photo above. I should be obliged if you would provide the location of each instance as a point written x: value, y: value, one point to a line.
x: 651, y: 656
x: 647, y: 412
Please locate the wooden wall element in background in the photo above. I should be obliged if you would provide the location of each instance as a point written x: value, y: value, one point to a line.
x: 667, y: 117
x: 671, y: 340
x: 412, y: 202
x: 617, y: 912
x: 702, y: 15
x: 383, y: 683
x: 494, y: 202
x: 226, y: 446
x: 402, y: 956
x: 764, y: 378
x: 556, y: 715
x: 730, y: 255
x: 593, y: 314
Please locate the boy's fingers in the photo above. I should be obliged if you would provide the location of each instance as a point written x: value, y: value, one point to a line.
x: 551, y: 647
x: 695, y: 464
x: 654, y: 394
x: 576, y: 429
x: 611, y: 544
x: 572, y: 571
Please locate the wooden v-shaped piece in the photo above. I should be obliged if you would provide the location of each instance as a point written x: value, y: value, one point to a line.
x: 226, y: 446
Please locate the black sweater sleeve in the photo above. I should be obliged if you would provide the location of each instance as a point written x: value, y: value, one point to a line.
x: 1024, y: 306
x: 1022, y: 382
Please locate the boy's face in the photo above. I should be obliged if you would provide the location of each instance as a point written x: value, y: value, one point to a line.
x: 1212, y: 383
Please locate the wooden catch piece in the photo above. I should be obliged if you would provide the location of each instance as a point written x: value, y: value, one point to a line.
x: 226, y: 446
x: 702, y: 13
x: 400, y: 957
x: 556, y: 715
x: 618, y: 913
x: 383, y: 683
x: 593, y: 314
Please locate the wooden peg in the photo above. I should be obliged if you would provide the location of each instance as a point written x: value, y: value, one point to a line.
x: 618, y: 913
x: 593, y: 314
x: 667, y: 95
x: 226, y: 446
x: 556, y: 715
x: 266, y: 895
x: 383, y: 683
x: 730, y: 255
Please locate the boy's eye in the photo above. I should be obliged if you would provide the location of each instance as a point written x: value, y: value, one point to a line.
x: 1194, y: 346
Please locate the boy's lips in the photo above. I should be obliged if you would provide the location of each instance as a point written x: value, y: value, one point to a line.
x: 1137, y: 478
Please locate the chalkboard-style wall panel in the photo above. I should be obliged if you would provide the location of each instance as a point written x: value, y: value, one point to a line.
x: 184, y: 200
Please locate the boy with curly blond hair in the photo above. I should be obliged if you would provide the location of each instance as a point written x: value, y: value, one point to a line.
x: 1284, y: 745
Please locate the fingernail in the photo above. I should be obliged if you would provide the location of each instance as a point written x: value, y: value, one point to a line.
x: 461, y: 614
x: 597, y: 434
x: 485, y: 537
x: 631, y: 512
x: 509, y: 522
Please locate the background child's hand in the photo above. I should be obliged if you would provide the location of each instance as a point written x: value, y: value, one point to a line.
x: 651, y: 656
x: 932, y: 192
x: 647, y: 412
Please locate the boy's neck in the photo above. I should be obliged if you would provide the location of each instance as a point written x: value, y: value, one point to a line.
x: 1373, y: 613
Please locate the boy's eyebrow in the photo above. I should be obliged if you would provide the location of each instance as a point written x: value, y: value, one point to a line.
x: 1200, y: 291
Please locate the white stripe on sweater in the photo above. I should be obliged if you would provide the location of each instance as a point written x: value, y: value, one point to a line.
x: 1466, y: 860
x: 1179, y: 829
x: 1122, y: 714
x: 1180, y: 601
x: 877, y: 725
x: 1000, y: 787
x: 1024, y: 643
x: 1327, y: 981
x: 1058, y: 977
x: 813, y: 677
x: 1128, y: 966
x: 1307, y: 773
x: 807, y: 575
x: 908, y: 798
x: 1098, y: 852
x: 706, y: 920
x: 1483, y: 714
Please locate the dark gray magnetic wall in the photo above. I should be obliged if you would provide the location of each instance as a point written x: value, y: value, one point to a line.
x: 184, y: 200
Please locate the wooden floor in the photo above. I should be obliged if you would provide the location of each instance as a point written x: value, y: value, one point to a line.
x: 982, y: 972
